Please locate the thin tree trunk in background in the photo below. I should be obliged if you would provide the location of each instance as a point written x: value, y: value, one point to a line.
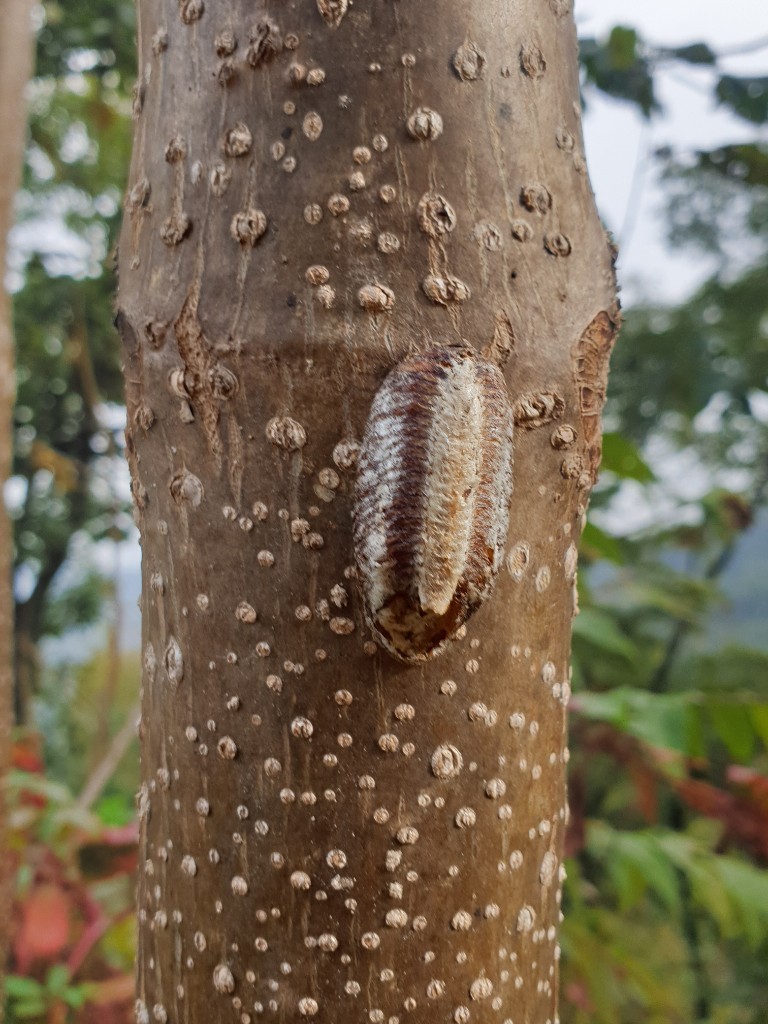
x: 103, y: 739
x: 16, y: 51
x: 318, y: 189
x: 104, y: 770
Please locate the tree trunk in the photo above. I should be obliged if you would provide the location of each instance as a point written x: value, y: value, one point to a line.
x: 317, y: 191
x: 16, y: 49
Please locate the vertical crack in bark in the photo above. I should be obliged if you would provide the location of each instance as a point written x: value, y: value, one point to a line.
x: 503, y: 343
x: 199, y: 369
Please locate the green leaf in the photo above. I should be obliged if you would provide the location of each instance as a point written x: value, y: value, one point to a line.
x: 633, y: 856
x: 697, y: 739
x: 622, y: 47
x: 694, y: 53
x: 747, y: 97
x: 29, y: 1008
x: 23, y: 988
x: 76, y: 605
x: 601, y: 630
x: 621, y: 457
x: 76, y: 996
x: 611, y: 706
x: 39, y: 785
x: 618, y: 68
x: 732, y: 891
x: 746, y: 163
x: 596, y: 543
x: 732, y: 724
x: 660, y: 720
x: 116, y: 809
x: 747, y: 886
x: 710, y: 893
x: 57, y: 979
x: 758, y: 714
x: 676, y: 596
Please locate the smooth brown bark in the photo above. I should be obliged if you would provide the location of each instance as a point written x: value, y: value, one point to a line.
x: 16, y: 41
x: 315, y: 192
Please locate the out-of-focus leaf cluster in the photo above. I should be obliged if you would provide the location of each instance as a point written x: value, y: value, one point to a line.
x: 624, y: 65
x: 666, y: 905
x: 69, y: 486
x: 72, y: 935
x: 72, y: 941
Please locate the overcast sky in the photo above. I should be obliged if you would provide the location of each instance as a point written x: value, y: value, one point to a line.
x: 618, y: 139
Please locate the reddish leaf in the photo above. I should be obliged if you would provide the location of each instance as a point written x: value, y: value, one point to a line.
x: 705, y: 798
x: 45, y: 926
x: 646, y: 786
x: 743, y: 815
x: 26, y: 753
x: 123, y: 835
x: 755, y: 785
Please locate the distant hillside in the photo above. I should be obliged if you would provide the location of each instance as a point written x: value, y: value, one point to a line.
x: 744, y: 617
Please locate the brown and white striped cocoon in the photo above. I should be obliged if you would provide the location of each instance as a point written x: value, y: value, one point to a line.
x: 432, y: 498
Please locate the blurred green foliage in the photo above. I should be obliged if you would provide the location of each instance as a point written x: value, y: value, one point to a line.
x: 666, y: 906
x: 666, y: 899
x: 68, y: 414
